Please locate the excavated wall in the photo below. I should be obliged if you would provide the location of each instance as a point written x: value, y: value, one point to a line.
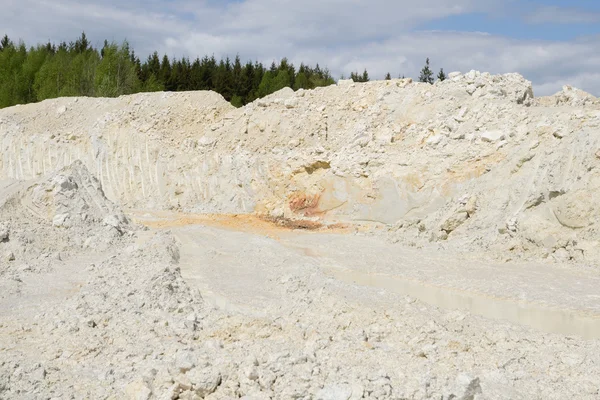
x: 475, y: 160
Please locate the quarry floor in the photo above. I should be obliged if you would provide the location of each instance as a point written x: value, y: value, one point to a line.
x: 237, y: 261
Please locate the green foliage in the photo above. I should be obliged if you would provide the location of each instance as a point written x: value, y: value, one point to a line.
x: 152, y: 84
x: 11, y: 59
x: 356, y: 77
x: 273, y: 82
x: 236, y: 101
x: 388, y: 77
x: 32, y: 64
x: 116, y: 74
x: 77, y: 69
x: 266, y: 85
x: 426, y: 74
x: 282, y: 79
x: 51, y: 78
x: 302, y: 81
x: 441, y: 75
x: 5, y: 43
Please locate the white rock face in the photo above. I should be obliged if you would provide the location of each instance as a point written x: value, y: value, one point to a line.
x: 468, y: 170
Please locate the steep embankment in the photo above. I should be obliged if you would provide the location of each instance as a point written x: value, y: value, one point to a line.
x: 474, y: 160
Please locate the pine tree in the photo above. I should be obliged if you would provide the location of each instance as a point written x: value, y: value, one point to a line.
x: 165, y: 71
x: 246, y: 82
x: 223, y: 79
x: 285, y: 65
x: 257, y: 77
x: 365, y: 76
x: 5, y: 43
x: 172, y: 83
x: 237, y: 78
x: 153, y: 64
x: 388, y: 77
x: 103, y: 48
x: 426, y: 74
x: 441, y: 76
x: 82, y: 44
x: 356, y: 77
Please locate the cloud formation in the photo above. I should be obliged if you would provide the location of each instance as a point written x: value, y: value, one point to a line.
x: 344, y: 35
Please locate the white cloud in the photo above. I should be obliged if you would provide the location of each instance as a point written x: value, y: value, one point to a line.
x: 344, y: 35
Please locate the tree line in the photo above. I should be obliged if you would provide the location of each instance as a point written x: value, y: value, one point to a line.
x: 78, y: 69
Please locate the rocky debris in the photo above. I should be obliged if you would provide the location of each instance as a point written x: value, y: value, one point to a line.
x: 484, y: 85
x: 492, y: 136
x: 138, y: 331
x: 72, y: 196
x: 335, y: 392
x: 204, y: 380
x: 455, y: 221
x: 9, y: 256
x: 467, y: 388
x: 63, y: 213
x: 572, y: 97
x: 4, y: 233
x: 474, y: 163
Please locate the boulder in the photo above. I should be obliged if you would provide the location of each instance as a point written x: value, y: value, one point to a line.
x: 492, y: 136
x: 454, y: 221
x: 4, y: 233
x: 335, y: 392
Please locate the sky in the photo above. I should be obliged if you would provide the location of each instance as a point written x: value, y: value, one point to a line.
x: 552, y: 42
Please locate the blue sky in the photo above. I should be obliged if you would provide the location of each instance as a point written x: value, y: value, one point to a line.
x: 529, y: 20
x: 551, y: 43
